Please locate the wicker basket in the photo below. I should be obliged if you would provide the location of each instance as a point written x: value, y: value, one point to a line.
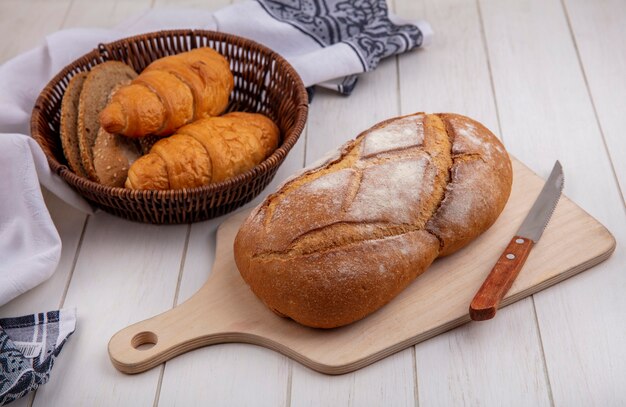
x: 264, y: 82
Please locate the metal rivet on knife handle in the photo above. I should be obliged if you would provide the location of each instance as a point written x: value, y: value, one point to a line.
x: 500, y: 279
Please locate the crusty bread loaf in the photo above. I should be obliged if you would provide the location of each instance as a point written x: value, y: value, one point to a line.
x: 69, y: 123
x: 341, y: 240
x: 206, y: 151
x: 93, y: 97
x: 171, y: 92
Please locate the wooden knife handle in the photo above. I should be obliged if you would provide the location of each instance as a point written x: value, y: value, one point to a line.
x: 500, y: 279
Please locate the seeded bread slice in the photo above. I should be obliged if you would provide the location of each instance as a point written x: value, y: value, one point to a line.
x: 112, y: 156
x: 93, y: 98
x: 69, y: 123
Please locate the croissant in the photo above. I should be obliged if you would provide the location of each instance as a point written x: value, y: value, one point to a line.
x: 205, y: 151
x: 169, y: 93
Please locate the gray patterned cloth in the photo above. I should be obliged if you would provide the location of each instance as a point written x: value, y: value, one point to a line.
x: 28, y: 347
x: 329, y: 42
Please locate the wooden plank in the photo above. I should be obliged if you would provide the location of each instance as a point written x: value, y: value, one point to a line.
x: 453, y: 76
x: 25, y: 23
x: 476, y: 347
x: 216, y: 374
x: 210, y: 5
x: 546, y: 114
x: 389, y: 382
x: 104, y: 14
x: 125, y: 272
x: 599, y: 30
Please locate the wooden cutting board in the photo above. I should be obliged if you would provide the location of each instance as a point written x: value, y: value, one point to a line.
x: 226, y: 310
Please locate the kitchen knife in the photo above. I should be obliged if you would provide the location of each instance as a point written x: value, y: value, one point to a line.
x: 508, y: 266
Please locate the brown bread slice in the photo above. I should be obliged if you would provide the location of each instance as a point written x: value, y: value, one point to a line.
x: 112, y: 156
x: 69, y: 123
x: 93, y: 98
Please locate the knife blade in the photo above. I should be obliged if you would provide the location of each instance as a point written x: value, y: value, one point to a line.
x: 499, y: 281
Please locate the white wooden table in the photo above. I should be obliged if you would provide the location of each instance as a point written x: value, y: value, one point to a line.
x: 548, y: 76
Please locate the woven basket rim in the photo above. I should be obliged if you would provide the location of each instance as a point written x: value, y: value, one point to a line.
x: 100, y: 51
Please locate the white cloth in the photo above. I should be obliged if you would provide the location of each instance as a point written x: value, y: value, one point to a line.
x: 30, y: 245
x: 352, y: 42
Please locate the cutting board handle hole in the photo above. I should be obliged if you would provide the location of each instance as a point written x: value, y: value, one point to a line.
x: 144, y: 340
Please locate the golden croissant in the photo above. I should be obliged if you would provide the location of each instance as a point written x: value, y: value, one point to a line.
x: 169, y: 93
x: 205, y: 151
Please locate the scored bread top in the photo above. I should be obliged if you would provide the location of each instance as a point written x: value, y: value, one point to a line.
x: 443, y: 173
x: 478, y: 187
x: 343, y: 238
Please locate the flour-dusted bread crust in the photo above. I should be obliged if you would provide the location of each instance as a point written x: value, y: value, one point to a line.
x: 69, y: 123
x: 479, y: 186
x: 342, y: 239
